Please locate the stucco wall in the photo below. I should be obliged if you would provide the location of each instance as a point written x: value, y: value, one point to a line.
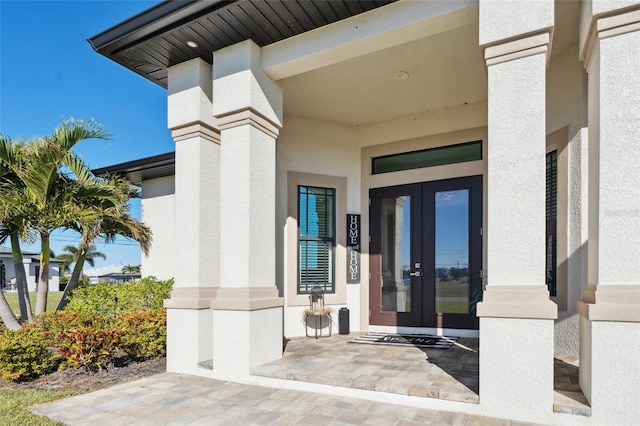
x: 317, y: 147
x: 566, y: 109
x: 314, y: 147
x: 158, y: 212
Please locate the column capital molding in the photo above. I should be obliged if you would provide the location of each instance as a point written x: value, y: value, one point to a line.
x: 194, y: 298
x: 246, y: 299
x: 518, y: 47
x: 195, y: 129
x: 517, y: 301
x: 607, y: 25
x: 610, y: 303
x: 249, y: 116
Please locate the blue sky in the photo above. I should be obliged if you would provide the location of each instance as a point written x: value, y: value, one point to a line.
x: 49, y: 72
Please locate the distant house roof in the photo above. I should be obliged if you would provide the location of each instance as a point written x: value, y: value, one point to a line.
x: 7, y: 250
x: 143, y: 169
x: 34, y: 256
x: 103, y: 270
x: 155, y: 39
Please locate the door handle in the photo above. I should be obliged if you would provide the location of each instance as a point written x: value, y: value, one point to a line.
x: 415, y: 274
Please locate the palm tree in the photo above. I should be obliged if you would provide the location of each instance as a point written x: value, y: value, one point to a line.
x: 46, y: 186
x: 131, y: 269
x: 72, y: 254
x: 14, y: 223
x: 103, y: 214
x: 8, y: 318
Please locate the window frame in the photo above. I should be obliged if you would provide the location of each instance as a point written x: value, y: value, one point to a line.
x: 559, y: 141
x: 551, y: 222
x: 332, y: 239
x: 291, y: 247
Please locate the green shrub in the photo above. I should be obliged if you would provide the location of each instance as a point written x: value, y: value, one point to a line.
x: 26, y: 353
x: 68, y: 339
x: 111, y: 300
x: 80, y: 341
x: 144, y: 334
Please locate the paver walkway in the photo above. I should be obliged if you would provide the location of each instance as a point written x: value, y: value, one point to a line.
x: 450, y: 374
x: 175, y: 399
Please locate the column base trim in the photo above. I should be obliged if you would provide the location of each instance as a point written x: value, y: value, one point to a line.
x: 247, y: 299
x: 517, y: 301
x: 610, y: 303
x: 191, y: 298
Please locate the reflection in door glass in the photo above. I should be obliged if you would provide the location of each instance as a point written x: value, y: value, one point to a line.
x: 452, y: 251
x: 395, y: 249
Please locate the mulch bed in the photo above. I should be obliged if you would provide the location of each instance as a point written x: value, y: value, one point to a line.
x: 79, y: 379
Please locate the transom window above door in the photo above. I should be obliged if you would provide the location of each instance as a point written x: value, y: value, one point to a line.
x: 468, y: 151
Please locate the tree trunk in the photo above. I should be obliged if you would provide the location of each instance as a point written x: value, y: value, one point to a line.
x: 7, y: 315
x: 74, y: 280
x: 21, y: 279
x: 43, y: 281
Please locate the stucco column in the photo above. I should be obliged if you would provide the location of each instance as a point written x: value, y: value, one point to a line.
x: 247, y: 313
x: 516, y: 315
x: 610, y: 306
x: 197, y: 246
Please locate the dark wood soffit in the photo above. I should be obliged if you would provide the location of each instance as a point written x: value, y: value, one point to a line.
x: 152, y: 41
x: 143, y: 169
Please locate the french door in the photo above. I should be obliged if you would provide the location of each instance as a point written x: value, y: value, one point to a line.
x: 426, y: 253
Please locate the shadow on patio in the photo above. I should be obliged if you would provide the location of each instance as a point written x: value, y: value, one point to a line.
x: 450, y: 374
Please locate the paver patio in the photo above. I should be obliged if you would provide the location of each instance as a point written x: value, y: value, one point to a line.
x: 174, y: 399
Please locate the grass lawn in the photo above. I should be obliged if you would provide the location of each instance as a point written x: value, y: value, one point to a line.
x: 14, y: 405
x: 52, y: 301
x: 452, y: 307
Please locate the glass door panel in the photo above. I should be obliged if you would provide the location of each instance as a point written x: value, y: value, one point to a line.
x: 452, y: 251
x: 395, y: 249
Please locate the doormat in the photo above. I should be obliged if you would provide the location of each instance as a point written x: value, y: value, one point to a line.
x: 417, y: 340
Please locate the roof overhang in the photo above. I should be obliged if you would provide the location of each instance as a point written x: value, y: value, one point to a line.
x: 156, y: 39
x: 143, y: 169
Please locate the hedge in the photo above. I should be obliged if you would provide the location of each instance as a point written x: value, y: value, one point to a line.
x: 111, y: 300
x: 101, y: 324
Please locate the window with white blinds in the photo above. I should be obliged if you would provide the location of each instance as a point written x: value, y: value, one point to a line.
x: 316, y: 238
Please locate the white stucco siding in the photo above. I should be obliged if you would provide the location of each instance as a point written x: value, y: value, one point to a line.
x: 330, y: 149
x: 189, y: 94
x: 320, y: 148
x: 503, y: 19
x: 436, y: 122
x: 54, y: 277
x: 516, y: 152
x: 619, y: 161
x: 30, y: 271
x: 158, y: 212
x: 566, y: 92
x: 566, y: 95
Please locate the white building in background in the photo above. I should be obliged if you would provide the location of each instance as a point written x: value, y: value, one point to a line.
x: 155, y: 177
x: 31, y: 262
x: 111, y: 274
x: 491, y: 141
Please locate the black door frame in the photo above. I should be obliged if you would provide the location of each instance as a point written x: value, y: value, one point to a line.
x: 423, y: 282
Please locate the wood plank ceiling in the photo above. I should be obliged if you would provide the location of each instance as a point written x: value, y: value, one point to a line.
x: 223, y: 24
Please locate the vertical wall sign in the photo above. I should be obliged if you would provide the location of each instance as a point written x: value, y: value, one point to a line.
x: 353, y: 248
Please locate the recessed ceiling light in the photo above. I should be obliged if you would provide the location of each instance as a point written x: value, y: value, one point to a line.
x: 192, y: 44
x: 401, y: 75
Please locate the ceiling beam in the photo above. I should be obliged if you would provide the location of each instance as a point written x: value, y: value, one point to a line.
x: 378, y: 29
